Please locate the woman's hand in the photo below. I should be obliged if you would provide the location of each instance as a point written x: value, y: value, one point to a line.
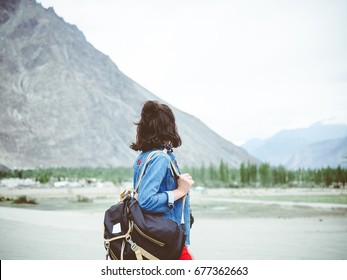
x: 184, y: 183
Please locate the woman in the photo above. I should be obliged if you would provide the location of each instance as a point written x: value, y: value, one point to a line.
x: 159, y: 191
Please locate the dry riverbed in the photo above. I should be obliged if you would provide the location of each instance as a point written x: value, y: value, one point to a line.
x: 229, y: 223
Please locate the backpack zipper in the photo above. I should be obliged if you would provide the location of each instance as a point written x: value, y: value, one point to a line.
x: 161, y: 244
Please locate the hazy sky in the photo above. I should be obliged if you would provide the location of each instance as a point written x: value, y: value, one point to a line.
x: 247, y: 68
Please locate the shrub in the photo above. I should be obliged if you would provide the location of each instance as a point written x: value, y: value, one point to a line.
x: 81, y: 198
x: 24, y: 200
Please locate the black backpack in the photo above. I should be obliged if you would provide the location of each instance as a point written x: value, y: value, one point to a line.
x: 131, y: 234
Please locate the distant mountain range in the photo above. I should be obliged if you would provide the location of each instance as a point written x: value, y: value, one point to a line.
x: 64, y: 103
x: 319, y: 145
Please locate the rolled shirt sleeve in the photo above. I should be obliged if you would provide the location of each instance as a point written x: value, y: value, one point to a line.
x: 171, y: 199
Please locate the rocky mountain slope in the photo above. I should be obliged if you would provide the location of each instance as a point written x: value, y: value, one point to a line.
x: 318, y: 145
x: 64, y: 103
x: 330, y: 153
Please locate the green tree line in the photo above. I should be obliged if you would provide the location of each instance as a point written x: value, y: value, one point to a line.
x: 265, y: 175
x: 116, y: 175
x: 247, y: 175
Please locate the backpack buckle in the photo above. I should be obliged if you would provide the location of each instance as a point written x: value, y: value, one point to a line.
x: 133, y: 245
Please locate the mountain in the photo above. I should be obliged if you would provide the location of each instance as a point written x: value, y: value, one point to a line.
x: 4, y: 169
x: 64, y: 103
x: 303, y: 147
x: 330, y: 152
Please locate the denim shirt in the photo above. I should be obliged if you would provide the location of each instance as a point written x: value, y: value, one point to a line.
x: 155, y: 192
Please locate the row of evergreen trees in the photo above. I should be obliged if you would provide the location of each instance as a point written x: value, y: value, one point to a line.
x: 263, y: 175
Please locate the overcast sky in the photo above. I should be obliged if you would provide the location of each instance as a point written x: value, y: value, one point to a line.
x: 247, y: 68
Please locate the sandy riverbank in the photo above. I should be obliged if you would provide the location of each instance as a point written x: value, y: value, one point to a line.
x: 38, y: 234
x: 226, y: 227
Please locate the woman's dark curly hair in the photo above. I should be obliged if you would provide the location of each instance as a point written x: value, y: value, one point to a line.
x: 156, y: 126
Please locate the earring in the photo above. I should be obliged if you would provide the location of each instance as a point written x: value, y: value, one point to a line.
x: 168, y: 147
